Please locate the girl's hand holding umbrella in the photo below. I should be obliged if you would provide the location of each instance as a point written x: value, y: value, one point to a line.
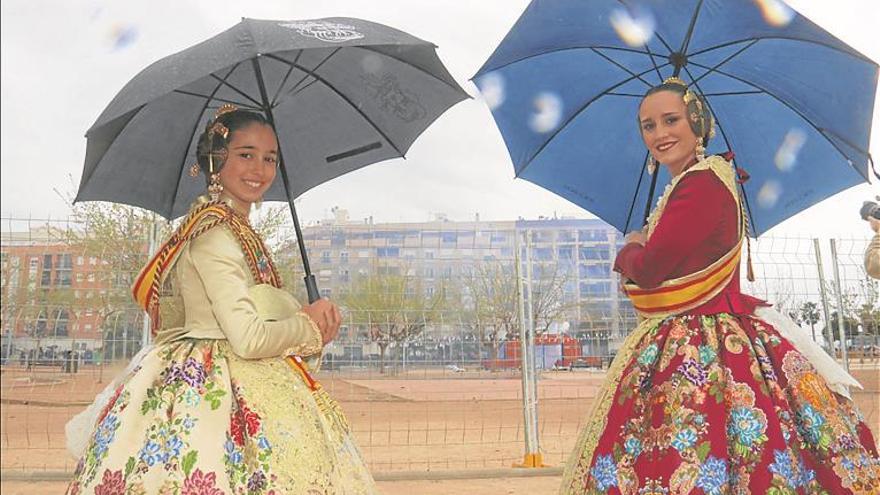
x: 326, y: 316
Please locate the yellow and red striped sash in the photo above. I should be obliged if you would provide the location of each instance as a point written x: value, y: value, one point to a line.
x: 688, y: 292
x: 148, y: 283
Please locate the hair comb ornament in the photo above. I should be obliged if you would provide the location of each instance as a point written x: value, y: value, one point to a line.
x: 224, y: 109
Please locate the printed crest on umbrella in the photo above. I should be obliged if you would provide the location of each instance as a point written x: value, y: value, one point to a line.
x: 325, y: 31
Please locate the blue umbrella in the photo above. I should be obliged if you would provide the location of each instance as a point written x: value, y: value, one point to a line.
x: 791, y: 100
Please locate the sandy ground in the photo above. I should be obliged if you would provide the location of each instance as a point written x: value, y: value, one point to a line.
x: 416, y: 421
x: 511, y: 486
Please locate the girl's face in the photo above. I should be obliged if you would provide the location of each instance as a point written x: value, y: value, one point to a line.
x: 666, y: 131
x: 251, y: 162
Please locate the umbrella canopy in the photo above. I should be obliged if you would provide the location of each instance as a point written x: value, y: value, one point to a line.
x: 791, y: 100
x: 343, y: 93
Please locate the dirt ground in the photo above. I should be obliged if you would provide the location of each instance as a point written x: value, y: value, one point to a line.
x: 417, y: 421
x: 510, y: 486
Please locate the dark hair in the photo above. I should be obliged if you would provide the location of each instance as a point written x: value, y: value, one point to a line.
x: 692, y: 107
x: 214, y: 143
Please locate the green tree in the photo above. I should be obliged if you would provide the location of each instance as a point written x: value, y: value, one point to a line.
x: 392, y: 306
x: 117, y: 238
x: 809, y: 313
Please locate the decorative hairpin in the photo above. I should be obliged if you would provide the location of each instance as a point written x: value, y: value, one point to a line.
x: 224, y: 109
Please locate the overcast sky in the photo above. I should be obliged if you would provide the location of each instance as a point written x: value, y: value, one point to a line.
x: 63, y: 61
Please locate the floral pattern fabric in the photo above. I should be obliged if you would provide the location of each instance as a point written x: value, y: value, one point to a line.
x: 195, y: 419
x: 717, y: 405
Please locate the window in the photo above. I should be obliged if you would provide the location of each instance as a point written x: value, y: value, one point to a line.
x: 429, y: 292
x: 87, y: 327
x: 46, y: 276
x: 63, y: 270
x: 388, y: 252
x: 429, y: 255
x: 79, y: 260
x: 61, y: 322
x: 343, y: 257
x: 344, y: 275
x: 594, y: 253
x: 566, y: 253
x: 326, y: 292
x: 542, y: 254
x: 429, y: 272
x: 595, y: 271
x: 595, y: 288
x: 93, y: 260
x: 325, y: 256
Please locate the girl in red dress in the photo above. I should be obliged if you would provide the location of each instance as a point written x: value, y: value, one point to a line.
x: 713, y: 392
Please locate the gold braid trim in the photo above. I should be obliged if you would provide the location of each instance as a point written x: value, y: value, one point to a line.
x: 721, y: 167
x: 577, y: 470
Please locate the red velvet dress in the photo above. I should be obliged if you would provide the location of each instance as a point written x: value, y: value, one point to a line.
x: 714, y: 400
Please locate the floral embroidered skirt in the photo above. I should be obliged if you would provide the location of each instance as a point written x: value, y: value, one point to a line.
x: 194, y: 418
x: 719, y: 405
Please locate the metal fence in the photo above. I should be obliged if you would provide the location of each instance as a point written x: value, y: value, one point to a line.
x: 427, y: 365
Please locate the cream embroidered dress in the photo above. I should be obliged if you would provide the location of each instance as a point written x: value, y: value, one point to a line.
x: 216, y: 406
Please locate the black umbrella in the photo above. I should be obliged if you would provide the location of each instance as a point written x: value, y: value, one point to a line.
x: 342, y: 93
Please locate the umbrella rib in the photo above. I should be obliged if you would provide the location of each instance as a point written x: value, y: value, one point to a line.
x: 796, y: 111
x: 284, y: 81
x: 719, y: 64
x: 305, y: 87
x: 574, y: 115
x: 742, y: 186
x: 192, y: 135
x: 556, y: 50
x: 213, y: 98
x: 341, y: 95
x: 734, y: 93
x: 853, y: 53
x: 609, y: 59
x: 690, y: 32
x: 654, y: 63
x: 309, y: 73
x: 632, y: 204
x: 454, y: 86
x: 230, y: 86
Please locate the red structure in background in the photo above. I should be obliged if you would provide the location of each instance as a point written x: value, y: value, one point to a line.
x: 510, y: 353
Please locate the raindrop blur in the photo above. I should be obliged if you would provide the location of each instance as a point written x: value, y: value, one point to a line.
x: 492, y: 88
x: 769, y: 194
x: 548, y: 111
x: 371, y: 63
x: 775, y: 12
x: 123, y: 35
x: 634, y: 26
x: 787, y: 154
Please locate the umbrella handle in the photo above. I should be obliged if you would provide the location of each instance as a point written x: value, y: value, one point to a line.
x: 311, y: 288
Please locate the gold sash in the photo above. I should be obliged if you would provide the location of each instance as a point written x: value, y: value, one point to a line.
x: 203, y: 217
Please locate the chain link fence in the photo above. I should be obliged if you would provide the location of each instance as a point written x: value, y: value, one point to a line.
x: 427, y: 365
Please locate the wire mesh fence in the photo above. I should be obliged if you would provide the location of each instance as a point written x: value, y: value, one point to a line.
x: 427, y: 363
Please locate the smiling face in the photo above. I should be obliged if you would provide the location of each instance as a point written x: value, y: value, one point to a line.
x: 251, y: 163
x: 666, y: 131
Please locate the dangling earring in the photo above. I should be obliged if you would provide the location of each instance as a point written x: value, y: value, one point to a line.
x: 214, y: 187
x: 258, y: 203
x: 700, y: 150
x: 651, y: 165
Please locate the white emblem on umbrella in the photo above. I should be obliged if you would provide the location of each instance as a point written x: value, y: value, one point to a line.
x: 325, y: 31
